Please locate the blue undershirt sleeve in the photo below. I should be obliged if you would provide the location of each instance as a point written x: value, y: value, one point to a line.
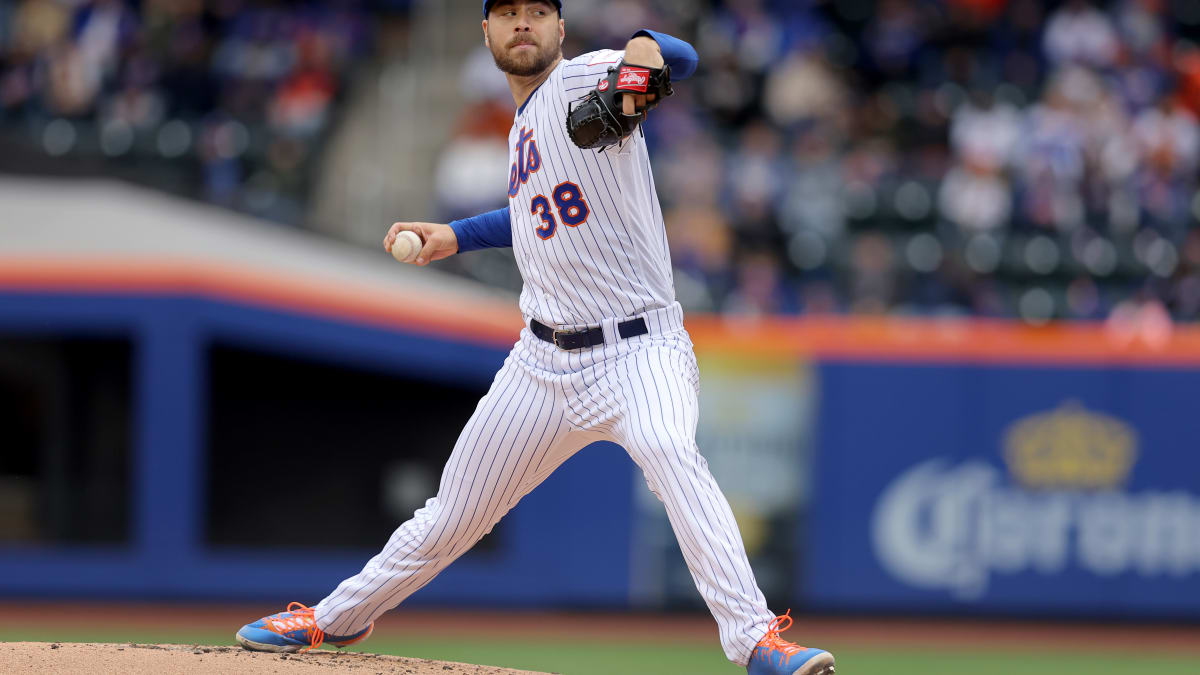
x: 681, y: 56
x: 486, y: 230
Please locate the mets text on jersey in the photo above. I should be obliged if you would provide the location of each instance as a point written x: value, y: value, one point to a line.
x: 528, y: 162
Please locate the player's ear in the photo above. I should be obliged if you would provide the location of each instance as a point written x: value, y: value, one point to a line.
x: 562, y: 31
x: 487, y: 43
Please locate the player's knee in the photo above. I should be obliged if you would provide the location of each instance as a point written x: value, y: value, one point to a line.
x: 452, y: 535
x: 670, y: 447
x: 429, y: 512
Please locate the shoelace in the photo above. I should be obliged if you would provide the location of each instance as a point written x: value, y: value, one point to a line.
x: 305, y: 616
x: 773, y: 642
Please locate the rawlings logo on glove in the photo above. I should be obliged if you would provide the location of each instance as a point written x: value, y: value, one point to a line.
x: 598, y: 120
x: 633, y: 79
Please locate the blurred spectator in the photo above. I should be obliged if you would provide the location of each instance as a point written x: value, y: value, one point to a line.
x: 984, y: 132
x: 691, y: 172
x: 802, y: 88
x: 299, y: 105
x: 1080, y: 33
x: 760, y: 288
x: 37, y: 26
x: 1140, y: 318
x: 756, y: 171
x: 72, y: 82
x: 976, y: 198
x: 480, y: 79
x: 103, y: 29
x: 472, y: 172
x: 984, y: 135
x: 813, y: 199
x: 701, y: 248
x: 894, y: 35
x: 873, y: 283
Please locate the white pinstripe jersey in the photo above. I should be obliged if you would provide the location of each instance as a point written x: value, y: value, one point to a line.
x: 587, y: 228
x: 588, y: 235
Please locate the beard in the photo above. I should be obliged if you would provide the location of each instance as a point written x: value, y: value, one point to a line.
x: 524, y: 63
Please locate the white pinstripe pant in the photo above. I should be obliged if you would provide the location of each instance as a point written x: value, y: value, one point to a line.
x: 545, y: 405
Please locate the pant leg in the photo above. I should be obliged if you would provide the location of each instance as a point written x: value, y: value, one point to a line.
x: 659, y: 385
x: 514, y: 439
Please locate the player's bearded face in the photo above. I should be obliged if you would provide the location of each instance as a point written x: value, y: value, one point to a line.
x: 527, y: 52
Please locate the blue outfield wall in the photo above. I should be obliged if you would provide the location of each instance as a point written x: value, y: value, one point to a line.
x: 949, y: 487
x: 1007, y: 489
x: 575, y: 526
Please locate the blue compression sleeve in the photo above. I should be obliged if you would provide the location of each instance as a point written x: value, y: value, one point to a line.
x: 486, y: 230
x: 681, y: 56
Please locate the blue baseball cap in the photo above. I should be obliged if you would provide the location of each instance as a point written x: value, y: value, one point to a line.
x: 487, y: 4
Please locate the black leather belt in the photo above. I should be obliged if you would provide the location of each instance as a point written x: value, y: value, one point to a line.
x: 585, y: 337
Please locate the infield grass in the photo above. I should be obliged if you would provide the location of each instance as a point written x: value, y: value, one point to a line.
x: 614, y: 658
x: 606, y: 657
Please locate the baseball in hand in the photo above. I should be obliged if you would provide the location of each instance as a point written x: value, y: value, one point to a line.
x: 406, y: 246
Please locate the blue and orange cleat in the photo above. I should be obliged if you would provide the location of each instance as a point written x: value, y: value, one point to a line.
x: 293, y: 631
x: 775, y: 656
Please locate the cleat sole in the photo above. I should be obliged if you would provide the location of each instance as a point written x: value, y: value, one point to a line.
x: 264, y: 647
x: 820, y: 665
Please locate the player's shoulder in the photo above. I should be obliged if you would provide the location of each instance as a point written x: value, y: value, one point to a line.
x: 597, y: 60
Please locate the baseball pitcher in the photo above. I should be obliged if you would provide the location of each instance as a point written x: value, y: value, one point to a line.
x: 604, y: 354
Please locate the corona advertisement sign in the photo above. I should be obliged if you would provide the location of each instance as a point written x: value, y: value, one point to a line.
x: 983, y: 499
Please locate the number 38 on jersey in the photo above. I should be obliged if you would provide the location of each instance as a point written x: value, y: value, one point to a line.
x: 568, y: 201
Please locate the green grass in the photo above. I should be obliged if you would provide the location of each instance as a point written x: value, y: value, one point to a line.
x: 206, y: 636
x: 600, y: 657
x: 996, y: 662
x: 583, y: 657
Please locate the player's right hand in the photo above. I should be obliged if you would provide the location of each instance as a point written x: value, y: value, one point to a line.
x: 440, y: 240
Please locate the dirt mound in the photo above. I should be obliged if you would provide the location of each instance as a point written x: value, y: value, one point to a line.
x: 90, y: 658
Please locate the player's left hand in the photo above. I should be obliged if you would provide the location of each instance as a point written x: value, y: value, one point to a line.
x: 612, y: 111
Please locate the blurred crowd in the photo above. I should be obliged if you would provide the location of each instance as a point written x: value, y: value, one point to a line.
x: 986, y: 157
x: 228, y: 97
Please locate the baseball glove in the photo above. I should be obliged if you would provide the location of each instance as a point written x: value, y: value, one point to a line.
x: 598, y: 119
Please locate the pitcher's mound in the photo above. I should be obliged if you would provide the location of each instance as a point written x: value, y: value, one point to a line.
x: 72, y: 657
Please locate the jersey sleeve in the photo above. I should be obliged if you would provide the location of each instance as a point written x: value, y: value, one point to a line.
x: 486, y: 230
x: 678, y: 54
x: 582, y: 73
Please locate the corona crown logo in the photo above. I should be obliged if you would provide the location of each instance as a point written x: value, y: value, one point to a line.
x: 1070, y: 447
